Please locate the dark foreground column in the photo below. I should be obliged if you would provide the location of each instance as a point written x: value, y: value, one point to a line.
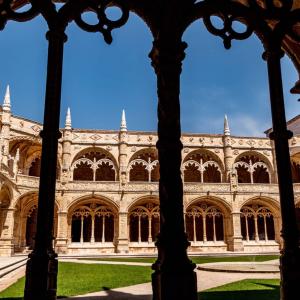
x: 174, y: 277
x: 41, y: 270
x: 290, y: 254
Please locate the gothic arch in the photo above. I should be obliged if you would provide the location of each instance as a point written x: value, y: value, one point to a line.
x: 144, y: 220
x: 92, y: 220
x: 94, y: 164
x: 217, y: 201
x: 253, y: 167
x: 202, y: 165
x: 25, y: 218
x: 206, y: 220
x: 260, y: 220
x: 87, y: 198
x: 271, y: 203
x: 143, y: 165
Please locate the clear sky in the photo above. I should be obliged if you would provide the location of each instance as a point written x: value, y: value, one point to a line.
x: 100, y: 80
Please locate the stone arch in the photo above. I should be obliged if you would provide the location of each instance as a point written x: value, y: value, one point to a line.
x: 92, y: 220
x: 144, y: 165
x: 5, y: 204
x: 26, y: 220
x: 295, y: 165
x: 94, y: 164
x: 253, y: 167
x: 260, y: 220
x: 205, y: 220
x: 144, y: 219
x: 202, y: 165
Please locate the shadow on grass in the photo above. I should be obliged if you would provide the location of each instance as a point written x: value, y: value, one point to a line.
x: 243, y: 294
x: 112, y: 295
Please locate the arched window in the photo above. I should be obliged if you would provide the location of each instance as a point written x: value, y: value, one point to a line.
x: 204, y: 223
x: 144, y: 167
x: 201, y: 171
x: 295, y: 171
x: 257, y: 223
x: 144, y: 223
x: 92, y: 223
x: 251, y: 169
x: 94, y: 166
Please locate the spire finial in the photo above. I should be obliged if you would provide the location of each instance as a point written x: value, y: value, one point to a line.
x: 226, y: 126
x: 123, y: 126
x: 68, y: 124
x: 6, y: 102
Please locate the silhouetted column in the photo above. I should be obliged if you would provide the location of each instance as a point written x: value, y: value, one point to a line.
x: 41, y: 271
x: 290, y: 254
x: 174, y: 277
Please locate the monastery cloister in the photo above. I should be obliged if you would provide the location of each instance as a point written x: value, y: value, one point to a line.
x: 107, y: 189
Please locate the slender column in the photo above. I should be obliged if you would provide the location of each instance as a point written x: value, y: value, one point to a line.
x: 103, y: 229
x: 251, y: 172
x: 93, y: 229
x: 174, y: 277
x: 149, y: 229
x: 256, y: 230
x: 204, y: 228
x: 41, y: 271
x: 290, y: 254
x: 81, y: 230
x: 214, y: 228
x: 247, y: 229
x: 194, y: 229
x: 265, y: 227
x: 201, y: 176
x: 251, y: 177
x: 139, y: 237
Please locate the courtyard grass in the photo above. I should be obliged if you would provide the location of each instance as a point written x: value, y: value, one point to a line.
x: 248, y: 289
x: 76, y: 279
x: 195, y: 259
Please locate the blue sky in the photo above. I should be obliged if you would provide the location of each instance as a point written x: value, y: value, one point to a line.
x: 100, y: 80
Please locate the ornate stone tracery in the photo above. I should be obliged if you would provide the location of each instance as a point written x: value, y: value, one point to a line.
x: 257, y: 223
x: 204, y: 222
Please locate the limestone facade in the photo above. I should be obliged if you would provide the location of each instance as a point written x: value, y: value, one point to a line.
x: 107, y: 189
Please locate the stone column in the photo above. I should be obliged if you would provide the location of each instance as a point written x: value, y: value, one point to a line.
x: 6, y: 240
x: 290, y: 254
x: 122, y: 239
x: 235, y: 239
x: 174, y: 277
x: 41, y: 270
x: 277, y: 228
x: 62, y: 232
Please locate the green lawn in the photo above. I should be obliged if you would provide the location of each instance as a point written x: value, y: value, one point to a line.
x: 92, y: 278
x: 97, y: 277
x: 249, y: 289
x: 195, y: 259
